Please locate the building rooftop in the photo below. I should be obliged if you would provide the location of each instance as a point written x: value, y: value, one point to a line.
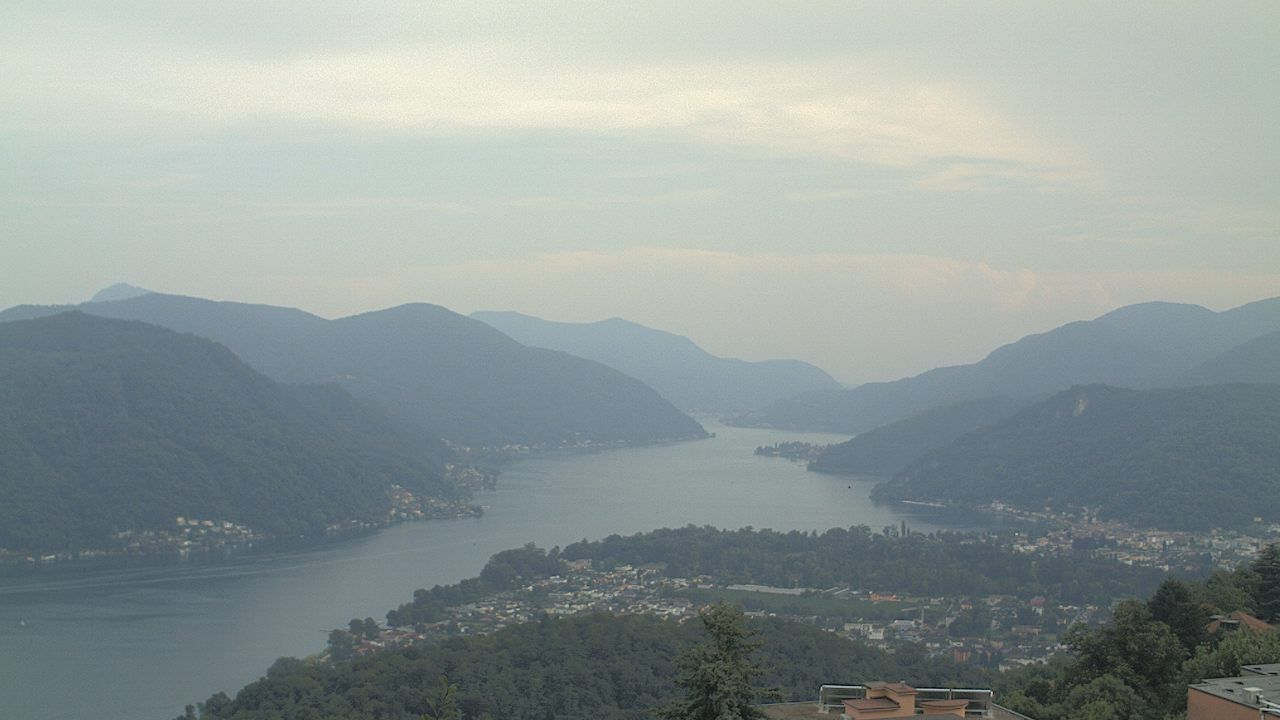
x: 944, y: 704
x: 809, y: 710
x: 871, y: 704
x: 1238, y: 619
x: 1234, y: 688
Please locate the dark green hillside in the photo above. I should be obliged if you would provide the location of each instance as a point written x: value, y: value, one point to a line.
x: 1138, y: 346
x: 891, y: 448
x: 469, y: 382
x: 688, y: 376
x: 1180, y: 458
x: 596, y: 667
x: 451, y: 376
x: 110, y: 425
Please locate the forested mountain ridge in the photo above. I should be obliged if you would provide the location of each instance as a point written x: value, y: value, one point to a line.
x: 454, y: 377
x: 688, y: 376
x: 111, y: 425
x: 1182, y: 458
x: 890, y: 448
x: 1138, y: 346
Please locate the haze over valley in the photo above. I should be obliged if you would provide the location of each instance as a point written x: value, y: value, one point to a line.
x: 732, y: 361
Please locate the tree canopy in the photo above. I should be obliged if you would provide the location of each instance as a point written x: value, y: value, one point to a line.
x: 718, y: 676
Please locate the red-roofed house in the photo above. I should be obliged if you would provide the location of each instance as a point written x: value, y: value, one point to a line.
x: 1238, y: 620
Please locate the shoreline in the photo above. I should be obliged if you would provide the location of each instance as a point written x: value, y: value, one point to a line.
x: 14, y: 563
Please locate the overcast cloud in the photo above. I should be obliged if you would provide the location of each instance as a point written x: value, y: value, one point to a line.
x: 876, y: 188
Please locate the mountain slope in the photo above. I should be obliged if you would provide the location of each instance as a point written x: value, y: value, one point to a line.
x: 688, y: 376
x: 110, y: 425
x: 1183, y: 458
x: 1138, y: 346
x: 1257, y: 361
x: 454, y: 377
x: 891, y: 448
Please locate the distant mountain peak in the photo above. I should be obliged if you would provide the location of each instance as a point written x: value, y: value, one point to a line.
x: 1150, y: 344
x: 672, y: 364
x: 447, y: 375
x: 119, y: 291
x: 1157, y: 311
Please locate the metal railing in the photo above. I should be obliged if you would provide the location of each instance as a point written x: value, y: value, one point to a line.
x: 832, y: 697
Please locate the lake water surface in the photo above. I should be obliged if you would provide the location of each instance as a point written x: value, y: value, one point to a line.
x: 139, y: 643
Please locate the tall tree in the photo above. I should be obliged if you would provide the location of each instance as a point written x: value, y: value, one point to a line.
x: 1135, y: 650
x: 1174, y: 605
x: 718, y: 676
x: 442, y: 702
x: 1236, y: 649
x: 1267, y: 570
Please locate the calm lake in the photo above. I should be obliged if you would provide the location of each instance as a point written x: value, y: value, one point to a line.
x: 139, y: 643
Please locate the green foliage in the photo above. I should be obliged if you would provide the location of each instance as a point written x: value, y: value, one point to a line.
x: 595, y: 667
x: 1174, y: 605
x: 975, y: 622
x: 797, y: 605
x: 442, y: 703
x: 109, y: 426
x: 718, y: 677
x: 1227, y: 592
x: 1134, y: 650
x: 1106, y: 697
x: 1267, y: 594
x: 1189, y: 458
x: 890, y: 448
x: 506, y: 570
x: 366, y: 629
x: 342, y: 645
x: 1139, y: 664
x: 1233, y: 651
x: 941, y: 564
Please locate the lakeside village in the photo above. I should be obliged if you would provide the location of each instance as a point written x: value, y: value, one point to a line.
x: 194, y: 536
x: 997, y: 631
x: 1054, y: 533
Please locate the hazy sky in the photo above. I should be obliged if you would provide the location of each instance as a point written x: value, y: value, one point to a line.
x: 878, y: 188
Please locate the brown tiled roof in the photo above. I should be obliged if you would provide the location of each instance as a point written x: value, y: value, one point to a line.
x: 900, y: 687
x: 1240, y: 618
x: 1250, y: 621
